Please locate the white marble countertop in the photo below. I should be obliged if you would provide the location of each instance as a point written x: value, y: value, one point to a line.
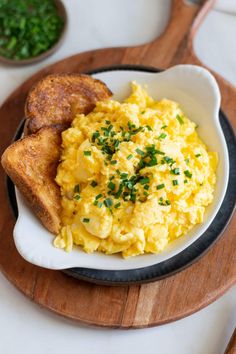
x: 25, y: 328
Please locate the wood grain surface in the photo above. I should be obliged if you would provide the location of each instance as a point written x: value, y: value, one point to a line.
x: 131, y: 306
x: 231, y: 347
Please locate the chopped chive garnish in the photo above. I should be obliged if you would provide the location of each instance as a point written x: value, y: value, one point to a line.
x: 179, y: 119
x: 140, y: 152
x: 95, y: 136
x: 130, y: 125
x: 142, y: 112
x: 119, y: 192
x: 98, y: 196
x: 129, y: 157
x: 168, y: 160
x: 116, y: 144
x: 108, y: 202
x: 95, y: 202
x: 163, y: 203
x: 148, y: 127
x: 123, y: 175
x: 133, y: 197
x: 146, y: 186
x: 113, y: 162
x: 152, y: 162
x: 175, y: 182
x: 77, y: 197
x: 111, y: 185
x: 164, y: 126
x: 188, y: 174
x: 129, y: 185
x: 185, y: 181
x: 144, y: 180
x: 100, y: 204
x: 187, y: 160
x: 159, y: 152
x: 160, y: 186
x: 117, y: 205
x: 93, y: 184
x: 198, y: 155
x: 175, y: 171
x: 162, y: 136
x: 146, y: 193
x: 107, y: 122
x: 77, y: 188
x: 87, y: 153
x: 86, y: 220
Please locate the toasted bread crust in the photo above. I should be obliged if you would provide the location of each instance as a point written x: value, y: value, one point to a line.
x: 56, y: 99
x: 32, y: 163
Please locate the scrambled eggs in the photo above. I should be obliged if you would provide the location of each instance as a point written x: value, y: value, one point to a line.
x: 134, y: 176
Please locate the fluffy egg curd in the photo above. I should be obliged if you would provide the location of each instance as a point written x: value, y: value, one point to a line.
x: 134, y: 176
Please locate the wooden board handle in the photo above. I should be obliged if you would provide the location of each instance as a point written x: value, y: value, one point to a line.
x: 182, y: 26
x: 175, y: 46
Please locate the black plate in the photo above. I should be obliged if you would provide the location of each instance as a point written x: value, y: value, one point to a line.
x: 185, y: 258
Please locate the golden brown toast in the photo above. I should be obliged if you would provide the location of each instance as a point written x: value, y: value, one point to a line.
x: 31, y: 163
x: 56, y: 99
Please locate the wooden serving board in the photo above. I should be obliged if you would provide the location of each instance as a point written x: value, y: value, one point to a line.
x: 123, y: 306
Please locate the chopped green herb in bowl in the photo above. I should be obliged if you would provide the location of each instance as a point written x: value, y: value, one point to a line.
x: 30, y: 29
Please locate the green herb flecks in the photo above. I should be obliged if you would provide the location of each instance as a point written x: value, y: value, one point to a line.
x: 162, y: 136
x: 140, y: 152
x: 108, y: 202
x: 160, y: 186
x: 28, y: 27
x: 111, y: 185
x: 77, y: 188
x: 179, y: 119
x: 93, y: 184
x: 163, y: 202
x: 175, y: 171
x: 169, y: 160
x: 144, y: 180
x: 113, y: 162
x: 86, y: 220
x: 87, y: 153
x: 188, y: 174
x: 77, y: 197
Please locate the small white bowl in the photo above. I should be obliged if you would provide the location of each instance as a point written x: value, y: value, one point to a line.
x: 198, y: 94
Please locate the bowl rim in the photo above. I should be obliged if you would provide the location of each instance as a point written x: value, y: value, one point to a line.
x: 216, y: 207
x: 62, y: 12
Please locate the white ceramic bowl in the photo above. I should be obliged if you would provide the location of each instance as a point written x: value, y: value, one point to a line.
x: 198, y: 94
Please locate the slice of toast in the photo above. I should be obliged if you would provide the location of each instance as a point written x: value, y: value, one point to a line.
x: 32, y: 163
x: 56, y: 99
